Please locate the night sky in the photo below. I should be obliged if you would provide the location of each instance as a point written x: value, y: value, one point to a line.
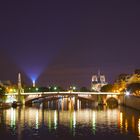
x: 64, y: 42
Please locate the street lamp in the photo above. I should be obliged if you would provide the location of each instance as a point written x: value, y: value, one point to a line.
x: 127, y: 93
x: 74, y: 88
x: 36, y: 89
x: 55, y: 88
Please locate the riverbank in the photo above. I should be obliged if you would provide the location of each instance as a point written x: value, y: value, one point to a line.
x: 5, y: 105
x: 131, y: 101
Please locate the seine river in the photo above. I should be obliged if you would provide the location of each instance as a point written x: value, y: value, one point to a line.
x: 64, y: 119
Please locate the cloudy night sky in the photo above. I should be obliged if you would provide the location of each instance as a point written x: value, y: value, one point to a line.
x: 64, y: 42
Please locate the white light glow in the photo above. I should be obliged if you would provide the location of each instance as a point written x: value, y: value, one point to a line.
x: 74, y: 119
x: 55, y: 119
x: 10, y: 99
x: 94, y: 122
x: 13, y: 117
x: 36, y: 119
x: 127, y: 93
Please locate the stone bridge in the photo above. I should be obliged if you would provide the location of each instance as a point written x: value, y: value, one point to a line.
x: 98, y: 97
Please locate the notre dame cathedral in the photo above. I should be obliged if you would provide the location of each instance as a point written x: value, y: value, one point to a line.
x: 98, y: 80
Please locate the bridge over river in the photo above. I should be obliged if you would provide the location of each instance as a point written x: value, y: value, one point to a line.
x: 98, y: 97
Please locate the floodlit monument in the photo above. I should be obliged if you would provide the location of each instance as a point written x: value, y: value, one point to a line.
x: 98, y: 81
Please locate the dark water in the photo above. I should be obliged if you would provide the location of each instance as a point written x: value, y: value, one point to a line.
x: 64, y: 119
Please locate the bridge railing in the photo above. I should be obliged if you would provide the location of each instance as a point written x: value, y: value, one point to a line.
x: 66, y: 92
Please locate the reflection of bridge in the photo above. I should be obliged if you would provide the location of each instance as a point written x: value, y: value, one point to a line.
x: 99, y: 97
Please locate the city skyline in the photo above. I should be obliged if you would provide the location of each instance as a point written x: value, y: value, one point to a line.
x: 66, y: 42
x: 70, y: 69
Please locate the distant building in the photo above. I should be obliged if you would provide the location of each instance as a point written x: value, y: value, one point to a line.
x: 98, y: 81
x: 5, y: 83
x: 129, y: 78
x: 133, y: 78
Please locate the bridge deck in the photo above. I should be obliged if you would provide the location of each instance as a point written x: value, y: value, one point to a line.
x: 66, y: 93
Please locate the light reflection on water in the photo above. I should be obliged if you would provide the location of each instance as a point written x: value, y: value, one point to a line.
x: 65, y: 120
x: 139, y: 126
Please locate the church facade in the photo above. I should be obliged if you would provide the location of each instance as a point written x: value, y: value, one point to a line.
x: 98, y: 81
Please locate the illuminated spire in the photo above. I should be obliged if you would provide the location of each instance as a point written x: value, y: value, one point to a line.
x: 33, y: 83
x: 99, y: 73
x: 19, y: 80
x: 19, y: 87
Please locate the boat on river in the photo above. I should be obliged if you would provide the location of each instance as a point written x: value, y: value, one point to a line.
x: 16, y: 104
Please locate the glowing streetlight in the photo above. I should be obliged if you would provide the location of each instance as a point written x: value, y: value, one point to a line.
x: 74, y: 88
x: 36, y: 89
x: 55, y: 88
x: 10, y: 90
x: 127, y: 93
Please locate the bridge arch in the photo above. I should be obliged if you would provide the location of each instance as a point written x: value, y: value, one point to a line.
x: 41, y: 99
x: 112, y: 101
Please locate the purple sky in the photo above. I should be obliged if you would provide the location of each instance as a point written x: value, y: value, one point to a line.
x: 65, y: 41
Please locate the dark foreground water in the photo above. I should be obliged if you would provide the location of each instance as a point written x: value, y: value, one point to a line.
x: 63, y: 120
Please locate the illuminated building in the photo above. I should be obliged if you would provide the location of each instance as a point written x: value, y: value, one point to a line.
x: 98, y: 81
x: 5, y: 83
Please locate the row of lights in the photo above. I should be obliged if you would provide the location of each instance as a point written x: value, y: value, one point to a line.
x: 55, y: 88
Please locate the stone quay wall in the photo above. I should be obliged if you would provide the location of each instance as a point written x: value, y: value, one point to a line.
x: 130, y: 101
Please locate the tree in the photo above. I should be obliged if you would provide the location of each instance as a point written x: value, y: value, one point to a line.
x: 43, y: 89
x: 55, y: 88
x: 2, y: 93
x: 122, y: 77
x: 84, y: 89
x: 134, y: 88
x: 137, y: 71
x: 107, y: 88
x: 2, y: 90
